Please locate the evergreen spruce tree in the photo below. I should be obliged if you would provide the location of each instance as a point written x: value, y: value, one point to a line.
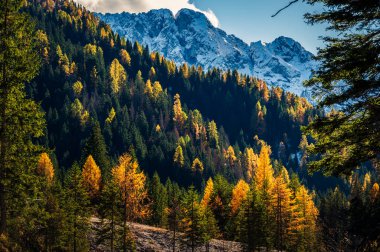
x: 75, y: 204
x: 348, y: 79
x: 192, y: 222
x: 21, y: 120
x: 96, y: 147
x: 173, y: 210
x: 110, y: 211
x: 159, y: 197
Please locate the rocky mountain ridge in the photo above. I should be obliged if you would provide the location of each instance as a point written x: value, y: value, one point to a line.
x: 189, y: 37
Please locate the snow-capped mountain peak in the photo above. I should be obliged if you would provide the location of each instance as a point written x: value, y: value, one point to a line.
x: 188, y: 36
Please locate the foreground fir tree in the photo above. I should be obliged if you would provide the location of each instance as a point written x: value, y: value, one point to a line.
x: 159, y: 197
x: 20, y: 120
x: 75, y: 204
x: 111, y: 215
x: 348, y: 79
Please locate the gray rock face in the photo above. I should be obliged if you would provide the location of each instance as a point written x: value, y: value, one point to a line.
x: 189, y: 37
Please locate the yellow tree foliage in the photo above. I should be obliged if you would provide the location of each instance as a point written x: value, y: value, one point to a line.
x: 45, y: 167
x: 208, y: 192
x: 90, y: 49
x: 185, y: 71
x: 197, y: 125
x: 178, y: 158
x: 111, y: 115
x: 43, y: 44
x: 213, y: 134
x: 263, y: 175
x: 103, y: 33
x: 180, y: 116
x: 118, y: 76
x: 285, y: 175
x: 282, y: 208
x: 158, y: 128
x: 302, y: 228
x: 375, y: 192
x: 148, y: 90
x: 157, y: 89
x: 132, y: 186
x: 152, y: 73
x: 230, y: 156
x: 153, y: 91
x: 79, y: 112
x: 77, y: 88
x: 239, y: 195
x: 91, y: 177
x: 125, y: 57
x: 197, y: 165
x: 64, y: 62
x: 250, y: 162
x: 366, y: 181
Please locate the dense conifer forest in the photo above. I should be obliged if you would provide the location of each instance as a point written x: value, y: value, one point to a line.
x: 106, y: 128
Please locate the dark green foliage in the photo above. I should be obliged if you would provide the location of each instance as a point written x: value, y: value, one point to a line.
x: 159, y: 198
x: 21, y: 122
x: 95, y: 146
x: 192, y: 222
x: 226, y: 98
x: 348, y: 79
x: 334, y: 218
x: 110, y: 211
x: 173, y: 210
x: 75, y: 204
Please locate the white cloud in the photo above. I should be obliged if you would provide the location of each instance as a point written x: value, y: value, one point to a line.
x: 136, y: 6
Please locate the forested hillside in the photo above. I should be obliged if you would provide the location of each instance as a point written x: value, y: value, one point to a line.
x: 94, y: 85
x: 107, y: 130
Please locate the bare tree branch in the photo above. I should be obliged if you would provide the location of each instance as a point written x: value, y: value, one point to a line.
x: 290, y: 3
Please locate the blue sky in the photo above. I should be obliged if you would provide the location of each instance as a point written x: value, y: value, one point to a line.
x: 251, y: 20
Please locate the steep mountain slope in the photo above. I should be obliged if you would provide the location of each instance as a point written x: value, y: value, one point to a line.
x: 190, y: 37
x: 94, y: 85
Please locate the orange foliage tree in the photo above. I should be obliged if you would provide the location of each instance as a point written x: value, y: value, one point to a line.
x: 302, y: 228
x: 91, y: 177
x: 132, y: 186
x: 239, y: 194
x: 282, y: 207
x: 263, y: 175
x: 45, y: 167
x: 208, y: 192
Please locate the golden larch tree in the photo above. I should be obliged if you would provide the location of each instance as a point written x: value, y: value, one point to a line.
x: 118, y: 76
x: 178, y: 158
x: 208, y: 192
x: 45, y: 167
x: 111, y: 115
x: 77, y: 88
x: 132, y: 186
x: 197, y: 165
x: 148, y: 90
x: 125, y: 57
x: 180, y: 116
x: 302, y: 228
x: 157, y: 89
x: 250, y: 162
x: 230, y: 156
x: 92, y: 177
x: 374, y: 192
x: 263, y: 175
x: 282, y: 209
x: 239, y: 194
